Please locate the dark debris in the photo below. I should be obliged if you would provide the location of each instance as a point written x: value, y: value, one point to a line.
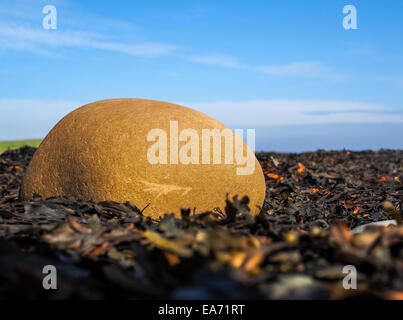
x: 295, y: 248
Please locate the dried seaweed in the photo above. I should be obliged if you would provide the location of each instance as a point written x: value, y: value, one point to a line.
x: 295, y: 248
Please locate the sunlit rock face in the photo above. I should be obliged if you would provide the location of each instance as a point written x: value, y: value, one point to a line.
x: 147, y: 152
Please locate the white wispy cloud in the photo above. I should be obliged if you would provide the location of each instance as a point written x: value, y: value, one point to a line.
x: 21, y: 30
x: 71, y: 17
x: 294, y: 69
x: 31, y: 118
x: 296, y: 112
x: 217, y: 60
x: 17, y: 37
x: 40, y: 41
x: 301, y: 69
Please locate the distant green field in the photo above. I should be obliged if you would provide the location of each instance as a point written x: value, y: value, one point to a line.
x: 5, y: 145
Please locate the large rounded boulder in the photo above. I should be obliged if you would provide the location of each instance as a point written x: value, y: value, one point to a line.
x: 147, y: 152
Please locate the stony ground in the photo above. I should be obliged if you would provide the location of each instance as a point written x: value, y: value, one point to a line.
x: 296, y: 248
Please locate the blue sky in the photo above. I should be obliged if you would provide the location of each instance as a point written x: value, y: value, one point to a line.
x: 256, y: 64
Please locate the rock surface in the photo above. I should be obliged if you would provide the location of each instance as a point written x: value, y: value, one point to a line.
x: 102, y: 151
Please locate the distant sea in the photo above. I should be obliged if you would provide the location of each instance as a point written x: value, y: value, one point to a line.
x: 296, y: 138
x: 300, y: 138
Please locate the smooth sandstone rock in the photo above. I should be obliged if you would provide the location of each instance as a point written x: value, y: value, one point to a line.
x: 102, y: 151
